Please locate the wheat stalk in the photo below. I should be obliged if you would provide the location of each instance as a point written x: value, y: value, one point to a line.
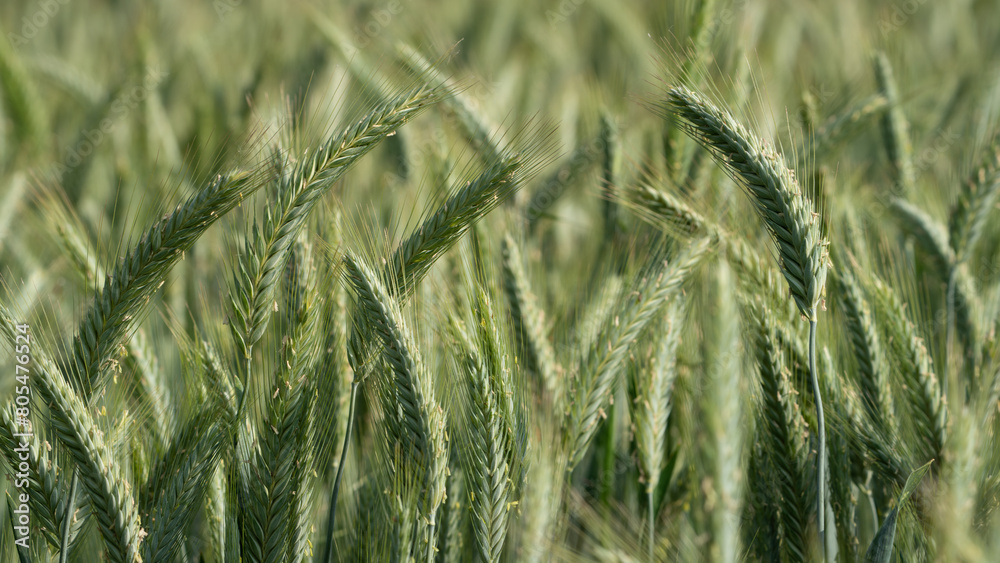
x: 895, y: 128
x: 422, y: 421
x: 787, y: 215
x: 529, y: 322
x: 603, y: 361
x: 783, y: 425
x: 103, y: 480
x: 722, y: 408
x: 126, y: 293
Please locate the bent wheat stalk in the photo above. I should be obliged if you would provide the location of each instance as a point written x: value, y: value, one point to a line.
x: 761, y: 172
x: 127, y: 291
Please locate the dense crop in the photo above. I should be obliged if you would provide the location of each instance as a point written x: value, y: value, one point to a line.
x: 459, y: 281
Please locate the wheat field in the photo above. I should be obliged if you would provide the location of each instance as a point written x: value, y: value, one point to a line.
x: 575, y: 280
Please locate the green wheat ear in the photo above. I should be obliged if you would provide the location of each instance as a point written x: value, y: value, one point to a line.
x: 772, y: 188
x: 787, y: 214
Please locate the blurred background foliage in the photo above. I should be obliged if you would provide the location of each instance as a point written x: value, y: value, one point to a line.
x: 126, y: 107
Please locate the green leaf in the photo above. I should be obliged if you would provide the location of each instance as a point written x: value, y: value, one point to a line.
x: 880, y: 550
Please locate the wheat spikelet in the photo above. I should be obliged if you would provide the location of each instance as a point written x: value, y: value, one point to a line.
x: 215, y: 516
x: 895, y: 129
x: 476, y: 127
x: 652, y: 400
x: 415, y: 256
x: 863, y: 336
x: 922, y: 390
x: 977, y: 198
x: 788, y: 216
x: 120, y: 304
x: 168, y: 500
x: 932, y: 237
x: 422, y: 422
x: 681, y: 220
x: 782, y: 423
x: 772, y: 187
x: 584, y: 155
x: 663, y: 209
x: 529, y: 322
x: 452, y: 541
x: 102, y: 478
x: 301, y: 354
x: 284, y: 455
x: 840, y: 126
x: 603, y: 361
x: 140, y: 358
x: 489, y: 474
x: 48, y: 498
x: 298, y: 192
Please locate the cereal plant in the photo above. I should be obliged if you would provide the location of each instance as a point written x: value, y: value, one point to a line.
x: 453, y: 281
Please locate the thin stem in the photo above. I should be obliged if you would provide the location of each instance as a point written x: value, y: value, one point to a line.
x: 67, y: 515
x: 430, y: 543
x: 649, y: 508
x: 821, y: 457
x: 331, y: 519
x: 950, y: 304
